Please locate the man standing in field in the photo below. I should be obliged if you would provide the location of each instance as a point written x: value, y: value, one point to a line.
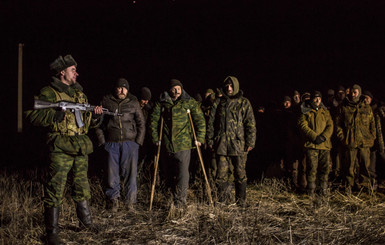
x: 177, y: 139
x: 231, y: 132
x: 69, y: 146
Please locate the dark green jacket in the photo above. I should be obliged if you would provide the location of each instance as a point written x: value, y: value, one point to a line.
x: 355, y: 124
x: 314, y: 122
x: 231, y: 127
x: 177, y: 133
x: 58, y: 141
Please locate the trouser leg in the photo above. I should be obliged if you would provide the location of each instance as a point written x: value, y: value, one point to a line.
x: 81, y: 188
x: 182, y: 161
x: 112, y: 190
x: 129, y: 163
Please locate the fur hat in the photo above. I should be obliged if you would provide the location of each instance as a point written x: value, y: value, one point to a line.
x: 305, y: 96
x: 62, y: 63
x: 122, y: 82
x: 145, y: 93
x: 175, y: 82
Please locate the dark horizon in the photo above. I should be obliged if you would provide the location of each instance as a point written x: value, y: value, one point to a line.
x: 272, y: 48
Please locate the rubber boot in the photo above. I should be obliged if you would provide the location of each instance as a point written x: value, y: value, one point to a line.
x: 84, y: 215
x: 240, y: 194
x: 51, y: 220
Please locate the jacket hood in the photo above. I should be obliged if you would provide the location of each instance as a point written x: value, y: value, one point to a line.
x: 235, y: 82
x: 306, y: 107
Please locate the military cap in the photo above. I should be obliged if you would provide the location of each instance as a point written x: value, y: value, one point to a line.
x: 62, y: 63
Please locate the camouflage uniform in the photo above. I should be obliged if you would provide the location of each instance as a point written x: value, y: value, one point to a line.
x: 177, y: 138
x: 355, y: 128
x: 69, y: 145
x: 231, y: 130
x: 316, y: 122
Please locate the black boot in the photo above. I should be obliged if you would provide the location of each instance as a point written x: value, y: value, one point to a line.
x: 51, y: 219
x: 240, y: 194
x: 84, y: 215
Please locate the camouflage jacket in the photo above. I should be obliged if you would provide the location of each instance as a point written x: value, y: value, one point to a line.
x: 314, y: 122
x: 64, y: 137
x: 177, y: 133
x: 379, y: 115
x: 129, y: 127
x: 355, y: 124
x: 231, y: 127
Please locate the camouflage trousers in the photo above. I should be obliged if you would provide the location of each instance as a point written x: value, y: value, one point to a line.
x: 231, y: 164
x: 318, y: 167
x: 362, y: 156
x: 60, y: 166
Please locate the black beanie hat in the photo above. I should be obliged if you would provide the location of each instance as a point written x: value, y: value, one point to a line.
x: 286, y: 98
x: 175, y: 82
x: 316, y: 94
x: 368, y: 93
x: 145, y: 93
x: 121, y: 82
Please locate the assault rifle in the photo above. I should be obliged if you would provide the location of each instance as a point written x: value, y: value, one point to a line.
x: 74, y: 107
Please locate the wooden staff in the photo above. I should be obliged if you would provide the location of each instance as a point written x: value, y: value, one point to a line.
x: 200, y: 159
x: 156, y: 161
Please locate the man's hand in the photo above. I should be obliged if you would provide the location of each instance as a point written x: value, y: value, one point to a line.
x: 98, y: 110
x: 249, y: 148
x: 319, y: 139
x: 197, y: 143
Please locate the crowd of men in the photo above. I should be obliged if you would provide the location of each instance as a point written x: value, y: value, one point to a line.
x: 309, y: 137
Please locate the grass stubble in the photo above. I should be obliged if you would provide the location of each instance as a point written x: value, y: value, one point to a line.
x: 275, y: 215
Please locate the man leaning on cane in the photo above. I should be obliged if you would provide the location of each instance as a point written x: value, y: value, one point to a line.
x: 177, y: 136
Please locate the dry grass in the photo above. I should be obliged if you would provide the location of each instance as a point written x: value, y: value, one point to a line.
x: 275, y: 216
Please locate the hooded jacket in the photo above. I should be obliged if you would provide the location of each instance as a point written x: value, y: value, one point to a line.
x: 177, y: 132
x: 130, y: 126
x: 231, y: 126
x: 355, y: 124
x: 313, y: 123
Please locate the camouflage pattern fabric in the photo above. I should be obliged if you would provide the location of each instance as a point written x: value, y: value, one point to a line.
x: 355, y: 125
x: 69, y: 145
x: 60, y: 166
x: 224, y: 168
x: 318, y: 167
x: 363, y: 155
x: 231, y: 128
x: 177, y: 132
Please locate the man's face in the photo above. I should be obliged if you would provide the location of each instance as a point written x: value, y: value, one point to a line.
x: 317, y: 101
x: 69, y: 75
x: 143, y: 102
x: 355, y: 93
x: 121, y: 92
x: 296, y: 98
x: 286, y: 104
x: 229, y: 89
x: 175, y: 92
x: 368, y: 100
x: 341, y: 95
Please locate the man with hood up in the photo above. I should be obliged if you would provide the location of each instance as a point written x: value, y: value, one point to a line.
x: 231, y: 132
x: 317, y: 126
x: 177, y: 137
x: 356, y: 130
x: 121, y: 137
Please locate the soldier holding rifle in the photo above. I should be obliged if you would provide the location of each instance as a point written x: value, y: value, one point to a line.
x: 69, y: 145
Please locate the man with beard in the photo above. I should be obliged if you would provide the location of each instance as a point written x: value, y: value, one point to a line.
x: 121, y: 137
x: 69, y: 146
x: 177, y: 137
x: 317, y: 126
x: 231, y: 132
x: 356, y: 131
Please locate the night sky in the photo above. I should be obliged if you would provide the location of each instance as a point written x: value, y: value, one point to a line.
x: 273, y: 47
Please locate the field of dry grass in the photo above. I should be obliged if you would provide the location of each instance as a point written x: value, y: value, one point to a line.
x: 274, y: 216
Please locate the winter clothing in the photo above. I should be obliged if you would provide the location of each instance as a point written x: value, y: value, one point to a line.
x: 61, y: 63
x: 122, y: 83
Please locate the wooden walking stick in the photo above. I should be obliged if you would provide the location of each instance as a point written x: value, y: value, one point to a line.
x: 156, y: 161
x: 201, y: 159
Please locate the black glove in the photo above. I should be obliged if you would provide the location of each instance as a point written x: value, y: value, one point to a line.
x: 319, y: 139
x: 59, y: 116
